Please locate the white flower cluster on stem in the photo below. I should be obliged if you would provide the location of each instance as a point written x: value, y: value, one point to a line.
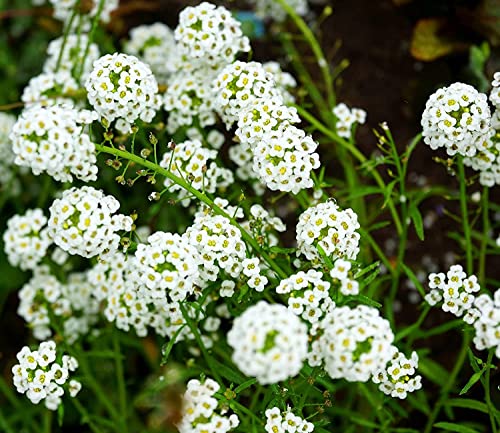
x: 82, y: 222
x: 269, y: 342
x: 52, y: 140
x: 286, y: 422
x: 41, y: 377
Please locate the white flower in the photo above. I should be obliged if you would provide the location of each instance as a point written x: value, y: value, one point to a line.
x: 284, y: 81
x: 487, y: 323
x: 346, y: 118
x: 122, y: 88
x: 26, y: 240
x: 7, y: 121
x: 328, y: 226
x: 209, y: 35
x: 50, y: 88
x: 200, y: 412
x: 457, y: 118
x: 41, y: 377
x: 355, y: 342
x: 155, y: 45
x: 82, y: 222
x: 63, y: 9
x: 286, y: 422
x: 271, y: 9
x: 269, y: 342
x: 51, y: 139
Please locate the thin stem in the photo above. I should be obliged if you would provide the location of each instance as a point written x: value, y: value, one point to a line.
x: 120, y: 377
x: 47, y: 421
x: 85, y: 416
x: 486, y: 231
x: 357, y: 154
x: 200, y: 196
x: 316, y: 49
x: 491, y: 406
x: 66, y: 34
x: 465, y: 216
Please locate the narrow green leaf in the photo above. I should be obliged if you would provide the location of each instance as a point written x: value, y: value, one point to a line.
x: 413, y: 278
x: 60, y: 415
x: 245, y: 385
x: 167, y: 348
x: 468, y: 403
x: 432, y: 370
x: 458, y: 428
x: 365, y: 300
x: 416, y: 217
x: 229, y: 373
x: 474, y: 378
x: 364, y: 271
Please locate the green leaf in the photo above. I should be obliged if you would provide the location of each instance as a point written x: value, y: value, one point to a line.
x: 167, y: 348
x: 365, y: 300
x: 229, y: 373
x: 364, y: 271
x: 474, y: 378
x: 245, y: 385
x: 458, y: 428
x: 468, y: 403
x: 280, y: 250
x: 417, y: 221
x: 413, y: 278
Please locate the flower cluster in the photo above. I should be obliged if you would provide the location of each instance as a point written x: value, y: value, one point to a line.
x: 456, y: 291
x: 71, y: 58
x: 26, y: 239
x: 122, y: 88
x: 457, y: 118
x: 50, y: 88
x: 199, y: 410
x: 190, y: 160
x: 188, y: 97
x: 219, y: 245
x: 42, y: 377
x: 286, y: 422
x: 487, y: 325
x: 209, y: 35
x: 309, y: 296
x: 52, y: 140
x: 355, y: 343
x: 346, y: 118
x: 155, y: 45
x: 327, y: 226
x: 82, y: 222
x: 283, y: 80
x: 72, y: 303
x: 262, y: 225
x: 269, y: 342
x: 397, y: 378
x: 273, y: 10
x: 340, y: 273
x: 238, y: 85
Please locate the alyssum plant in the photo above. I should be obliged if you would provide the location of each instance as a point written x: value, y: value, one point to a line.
x: 264, y: 336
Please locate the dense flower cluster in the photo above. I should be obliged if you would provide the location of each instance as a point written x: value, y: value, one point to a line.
x: 397, y: 378
x: 331, y: 228
x: 309, y: 295
x: 190, y: 161
x: 52, y: 140
x: 155, y: 45
x: 263, y: 225
x: 269, y: 342
x: 82, y: 222
x: 346, y: 118
x: 199, y: 410
x: 286, y: 422
x: 457, y: 118
x: 71, y: 59
x: 456, y: 291
x: 219, y: 245
x: 284, y: 80
x: 238, y: 85
x: 122, y: 88
x: 7, y: 121
x: 209, y: 35
x: 487, y: 325
x: 273, y: 10
x: 340, y: 273
x: 50, y: 88
x: 26, y: 239
x: 355, y: 343
x: 42, y: 377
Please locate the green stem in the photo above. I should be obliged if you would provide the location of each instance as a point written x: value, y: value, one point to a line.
x: 199, y: 195
x: 357, y: 154
x: 491, y: 406
x: 484, y: 240
x: 66, y: 34
x: 120, y: 377
x: 85, y: 416
x: 316, y: 48
x: 445, y: 390
x: 465, y: 216
x: 47, y: 421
